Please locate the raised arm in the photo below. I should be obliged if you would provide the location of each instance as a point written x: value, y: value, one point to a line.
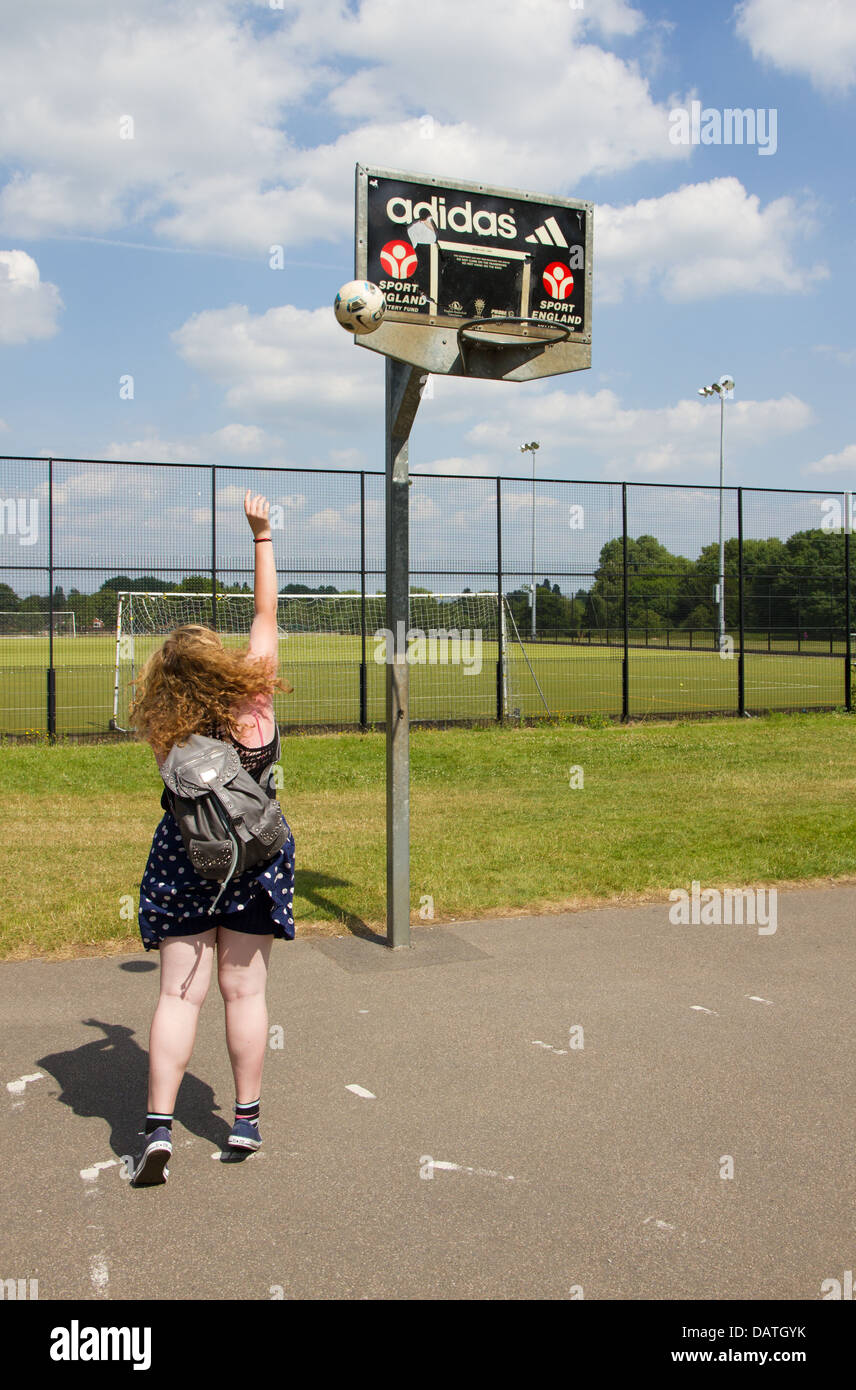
x: 263, y: 633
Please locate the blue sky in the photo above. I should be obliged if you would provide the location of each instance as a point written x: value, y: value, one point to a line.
x: 150, y: 255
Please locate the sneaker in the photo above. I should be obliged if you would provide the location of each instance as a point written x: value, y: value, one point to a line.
x: 245, y: 1135
x: 152, y: 1167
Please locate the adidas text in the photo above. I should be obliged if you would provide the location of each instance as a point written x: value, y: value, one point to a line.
x: 456, y: 219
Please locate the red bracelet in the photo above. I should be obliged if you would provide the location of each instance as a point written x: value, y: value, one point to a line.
x: 257, y: 540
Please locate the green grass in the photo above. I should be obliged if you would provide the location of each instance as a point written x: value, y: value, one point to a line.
x: 495, y: 825
x: 324, y: 671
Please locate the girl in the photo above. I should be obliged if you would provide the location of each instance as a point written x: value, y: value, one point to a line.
x: 193, y: 684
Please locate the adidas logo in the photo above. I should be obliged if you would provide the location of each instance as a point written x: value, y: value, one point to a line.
x: 550, y: 234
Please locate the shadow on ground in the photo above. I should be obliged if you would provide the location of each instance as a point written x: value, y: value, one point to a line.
x: 107, y: 1078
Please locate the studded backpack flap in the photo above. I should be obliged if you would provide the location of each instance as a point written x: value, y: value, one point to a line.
x: 228, y: 821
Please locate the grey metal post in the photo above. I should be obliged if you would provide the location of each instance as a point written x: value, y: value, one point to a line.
x: 625, y: 664
x: 500, y: 664
x: 721, y: 539
x: 51, y: 672
x: 741, y: 586
x: 402, y: 402
x: 364, y: 718
x: 530, y: 449
x: 214, y: 548
x: 534, y: 580
x: 848, y: 636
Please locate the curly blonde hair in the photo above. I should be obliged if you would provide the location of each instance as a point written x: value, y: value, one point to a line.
x: 193, y: 683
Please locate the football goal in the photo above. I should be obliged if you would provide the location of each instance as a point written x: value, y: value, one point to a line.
x: 329, y: 636
x: 37, y: 624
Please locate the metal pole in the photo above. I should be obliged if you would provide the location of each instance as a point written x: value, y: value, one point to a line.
x: 51, y: 673
x: 214, y: 547
x: 625, y: 665
x: 741, y: 670
x: 534, y: 585
x: 721, y: 542
x: 364, y: 718
x: 500, y: 662
x: 402, y: 402
x: 848, y: 643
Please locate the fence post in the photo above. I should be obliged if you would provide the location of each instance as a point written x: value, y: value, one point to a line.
x: 625, y: 665
x: 51, y: 673
x: 364, y: 715
x: 214, y: 546
x: 741, y: 667
x: 848, y: 652
x: 500, y: 704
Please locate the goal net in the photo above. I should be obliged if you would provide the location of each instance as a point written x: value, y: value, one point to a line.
x: 36, y: 624
x: 454, y: 644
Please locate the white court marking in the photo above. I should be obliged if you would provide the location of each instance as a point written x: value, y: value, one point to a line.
x: 479, y: 1172
x: 756, y: 998
x: 90, y: 1174
x: 702, y: 1010
x: 99, y: 1273
x: 17, y: 1087
x: 361, y: 1091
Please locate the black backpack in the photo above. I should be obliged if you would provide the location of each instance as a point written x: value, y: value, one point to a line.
x: 229, y: 822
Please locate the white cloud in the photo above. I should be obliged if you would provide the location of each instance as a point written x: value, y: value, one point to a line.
x: 627, y: 442
x: 702, y: 241
x: 843, y: 462
x: 206, y: 94
x: 845, y: 356
x: 239, y: 440
x: 813, y: 38
x: 28, y: 305
x: 284, y: 361
x: 152, y: 448
x: 463, y: 466
x: 212, y: 91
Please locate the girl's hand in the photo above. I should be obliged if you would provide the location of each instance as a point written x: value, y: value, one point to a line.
x: 257, y: 509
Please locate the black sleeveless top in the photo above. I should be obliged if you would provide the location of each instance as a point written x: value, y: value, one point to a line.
x: 255, y: 761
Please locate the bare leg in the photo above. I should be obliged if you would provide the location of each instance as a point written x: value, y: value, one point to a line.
x: 186, y: 963
x: 242, y: 974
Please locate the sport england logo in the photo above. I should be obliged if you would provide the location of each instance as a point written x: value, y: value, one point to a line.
x: 558, y: 280
x: 398, y: 259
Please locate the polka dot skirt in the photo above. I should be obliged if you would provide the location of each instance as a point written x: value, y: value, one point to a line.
x: 172, y: 892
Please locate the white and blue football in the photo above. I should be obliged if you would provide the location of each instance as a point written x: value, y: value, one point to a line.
x: 359, y: 306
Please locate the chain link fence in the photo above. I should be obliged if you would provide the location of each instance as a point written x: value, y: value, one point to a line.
x: 650, y: 600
